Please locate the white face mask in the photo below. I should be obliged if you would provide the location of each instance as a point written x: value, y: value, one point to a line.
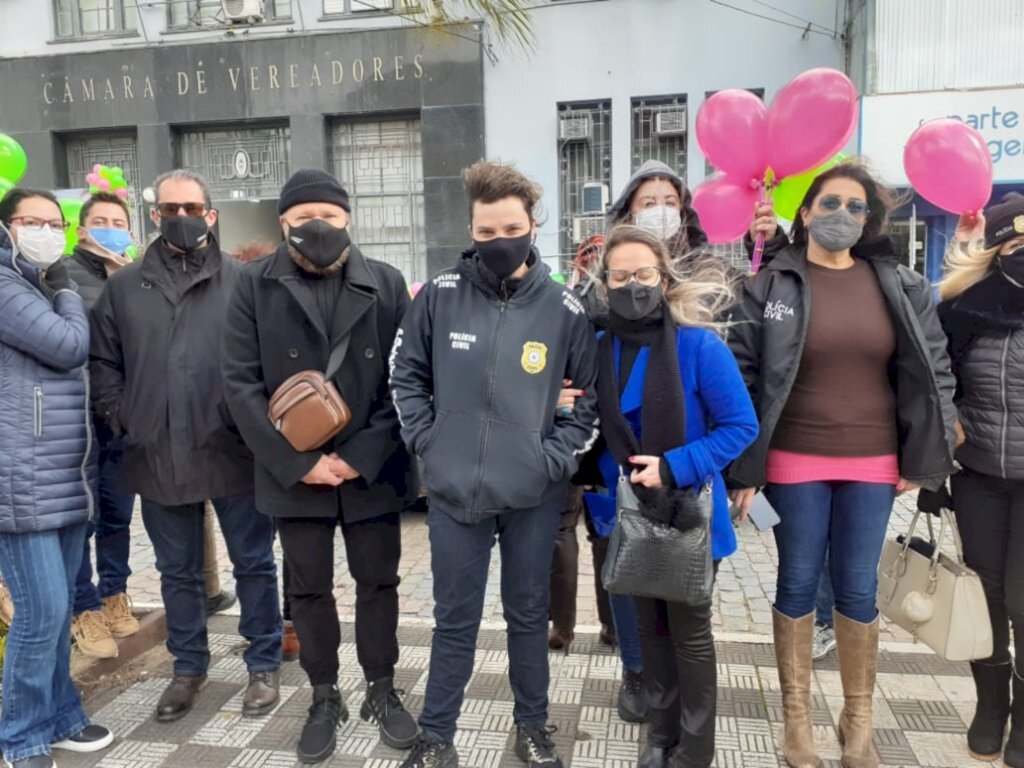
x: 41, y: 247
x: 662, y: 221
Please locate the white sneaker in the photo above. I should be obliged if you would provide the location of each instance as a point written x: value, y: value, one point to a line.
x: 92, y: 738
x: 824, y: 641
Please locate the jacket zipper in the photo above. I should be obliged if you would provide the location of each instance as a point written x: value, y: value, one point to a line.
x: 491, y: 375
x: 37, y: 411
x: 1006, y: 408
x: 88, y: 444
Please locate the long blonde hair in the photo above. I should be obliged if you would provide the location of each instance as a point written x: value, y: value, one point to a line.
x: 966, y: 264
x: 696, y: 296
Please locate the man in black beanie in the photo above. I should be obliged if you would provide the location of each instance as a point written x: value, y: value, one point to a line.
x: 318, y: 304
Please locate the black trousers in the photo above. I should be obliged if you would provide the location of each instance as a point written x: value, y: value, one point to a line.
x: 373, y: 548
x: 681, y: 678
x: 565, y: 566
x: 990, y: 515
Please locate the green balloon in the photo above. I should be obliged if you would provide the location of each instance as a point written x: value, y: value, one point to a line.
x: 132, y: 252
x: 5, y: 187
x: 558, y: 277
x: 789, y: 193
x: 13, y: 162
x: 71, y: 207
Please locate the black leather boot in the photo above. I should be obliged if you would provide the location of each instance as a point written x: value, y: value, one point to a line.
x: 1013, y: 754
x: 988, y: 728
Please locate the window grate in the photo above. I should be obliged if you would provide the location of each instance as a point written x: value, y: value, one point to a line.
x: 659, y: 127
x: 250, y: 164
x: 83, y: 152
x: 93, y: 18
x: 380, y: 164
x: 584, y: 158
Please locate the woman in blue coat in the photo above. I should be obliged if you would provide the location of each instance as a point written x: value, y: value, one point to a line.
x: 46, y: 480
x: 670, y: 386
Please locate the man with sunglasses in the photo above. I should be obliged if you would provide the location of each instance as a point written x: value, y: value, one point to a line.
x: 156, y: 357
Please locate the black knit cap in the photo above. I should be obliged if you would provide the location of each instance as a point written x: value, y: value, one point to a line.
x: 1004, y: 220
x: 311, y: 185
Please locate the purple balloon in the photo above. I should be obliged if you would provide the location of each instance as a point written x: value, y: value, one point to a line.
x: 949, y: 164
x: 732, y: 132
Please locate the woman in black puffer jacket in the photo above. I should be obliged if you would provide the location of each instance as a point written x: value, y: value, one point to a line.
x: 982, y: 313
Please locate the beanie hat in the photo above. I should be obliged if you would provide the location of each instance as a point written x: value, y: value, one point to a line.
x: 311, y: 185
x: 1004, y: 220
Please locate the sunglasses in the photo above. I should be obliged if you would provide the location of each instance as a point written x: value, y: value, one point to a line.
x: 31, y: 222
x: 195, y: 210
x: 835, y: 202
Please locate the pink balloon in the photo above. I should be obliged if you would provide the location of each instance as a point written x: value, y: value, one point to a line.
x: 949, y: 164
x: 725, y: 207
x: 96, y: 169
x: 416, y: 288
x: 122, y: 192
x: 104, y: 185
x: 732, y: 131
x: 93, y: 179
x: 810, y: 120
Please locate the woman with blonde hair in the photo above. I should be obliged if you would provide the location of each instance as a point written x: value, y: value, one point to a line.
x: 674, y: 412
x: 982, y: 312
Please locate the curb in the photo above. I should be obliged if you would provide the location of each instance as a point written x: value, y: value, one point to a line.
x: 152, y: 632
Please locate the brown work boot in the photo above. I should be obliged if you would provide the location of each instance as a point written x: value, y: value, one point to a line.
x: 559, y: 640
x: 793, y: 655
x: 857, y: 647
x: 6, y: 604
x: 290, y: 647
x: 262, y: 693
x: 91, y: 634
x: 177, y: 699
x: 117, y: 611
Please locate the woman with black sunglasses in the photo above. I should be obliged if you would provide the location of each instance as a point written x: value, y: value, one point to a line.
x: 845, y: 360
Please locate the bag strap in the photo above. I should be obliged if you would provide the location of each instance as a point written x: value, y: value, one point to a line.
x: 337, y: 356
x: 958, y: 542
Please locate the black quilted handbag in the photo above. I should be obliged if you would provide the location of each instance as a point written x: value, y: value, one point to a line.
x: 650, y: 559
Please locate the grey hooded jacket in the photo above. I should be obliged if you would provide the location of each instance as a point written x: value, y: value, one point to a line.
x: 655, y: 169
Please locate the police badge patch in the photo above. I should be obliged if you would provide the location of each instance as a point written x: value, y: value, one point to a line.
x: 535, y: 356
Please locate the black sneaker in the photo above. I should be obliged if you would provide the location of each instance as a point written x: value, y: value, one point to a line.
x: 633, y: 704
x: 92, y: 738
x: 384, y: 707
x: 320, y: 733
x: 36, y: 761
x: 432, y: 754
x: 535, y: 747
x: 222, y: 601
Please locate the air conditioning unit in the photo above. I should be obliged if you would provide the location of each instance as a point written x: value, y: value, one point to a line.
x: 574, y: 128
x: 670, y: 122
x: 585, y: 226
x: 243, y: 11
x: 595, y: 197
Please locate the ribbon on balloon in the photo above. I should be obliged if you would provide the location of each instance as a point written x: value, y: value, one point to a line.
x: 760, y: 150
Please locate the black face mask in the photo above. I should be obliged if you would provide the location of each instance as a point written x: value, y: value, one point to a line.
x: 186, y: 233
x: 318, y: 242
x: 634, y: 301
x: 1012, y: 267
x: 504, y: 255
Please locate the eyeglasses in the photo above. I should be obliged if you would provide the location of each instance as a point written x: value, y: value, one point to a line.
x: 644, y: 276
x: 31, y: 222
x: 195, y: 210
x: 835, y: 202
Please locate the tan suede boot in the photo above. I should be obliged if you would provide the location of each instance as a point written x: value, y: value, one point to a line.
x: 857, y: 647
x: 793, y: 656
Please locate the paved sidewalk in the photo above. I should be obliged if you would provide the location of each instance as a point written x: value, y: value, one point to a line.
x: 744, y: 594
x: 921, y: 706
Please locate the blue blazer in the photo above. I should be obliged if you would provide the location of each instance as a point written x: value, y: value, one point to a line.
x: 720, y: 424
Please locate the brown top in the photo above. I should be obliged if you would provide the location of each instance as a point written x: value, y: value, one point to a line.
x: 842, y: 403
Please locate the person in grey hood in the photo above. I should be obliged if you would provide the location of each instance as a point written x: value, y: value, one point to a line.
x: 476, y: 372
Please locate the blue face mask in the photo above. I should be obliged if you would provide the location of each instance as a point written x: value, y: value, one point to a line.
x: 114, y: 240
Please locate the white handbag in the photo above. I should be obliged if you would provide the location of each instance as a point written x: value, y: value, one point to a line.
x: 939, y: 600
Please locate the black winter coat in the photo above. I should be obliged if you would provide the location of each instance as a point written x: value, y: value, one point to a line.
x: 768, y: 341
x: 89, y: 274
x: 155, y: 367
x: 274, y: 330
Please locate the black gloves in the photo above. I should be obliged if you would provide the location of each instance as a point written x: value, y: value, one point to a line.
x: 933, y: 502
x: 56, y: 278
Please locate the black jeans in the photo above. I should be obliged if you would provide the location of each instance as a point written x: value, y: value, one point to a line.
x: 990, y: 515
x: 678, y: 650
x: 565, y: 566
x: 373, y: 548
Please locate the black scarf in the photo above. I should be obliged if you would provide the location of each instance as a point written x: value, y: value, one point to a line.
x: 663, y: 409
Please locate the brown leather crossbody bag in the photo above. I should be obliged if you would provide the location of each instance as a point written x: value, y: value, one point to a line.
x: 307, y: 408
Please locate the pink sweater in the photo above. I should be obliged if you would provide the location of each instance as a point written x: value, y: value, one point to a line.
x: 786, y: 468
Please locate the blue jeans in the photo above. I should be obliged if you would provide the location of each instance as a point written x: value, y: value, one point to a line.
x: 177, y: 536
x: 460, y: 555
x: 112, y: 537
x: 825, y: 601
x: 41, y: 705
x: 627, y: 631
x: 845, y: 519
